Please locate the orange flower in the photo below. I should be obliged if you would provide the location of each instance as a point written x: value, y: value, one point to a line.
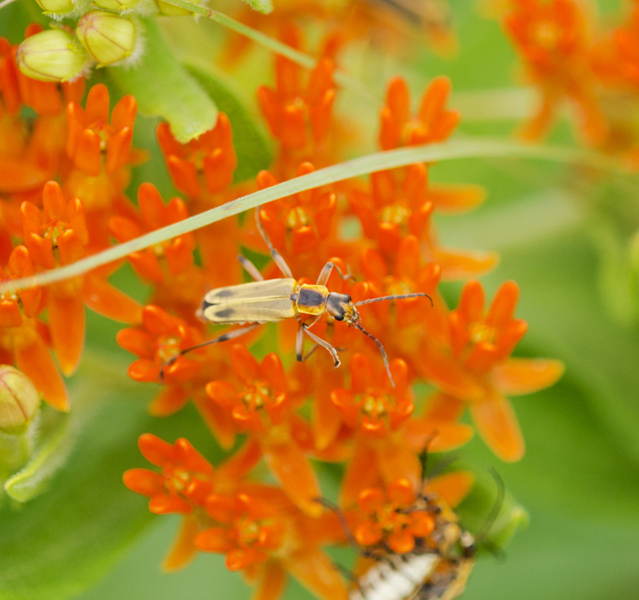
x: 373, y: 405
x: 297, y: 224
x: 205, y: 164
x: 13, y: 304
x: 298, y: 116
x: 475, y: 368
x: 178, y: 252
x: 433, y: 122
x: 263, y: 409
x: 94, y: 144
x: 551, y: 38
x: 264, y: 390
x: 389, y: 519
x: 252, y: 530
x: 184, y: 483
x: 162, y: 340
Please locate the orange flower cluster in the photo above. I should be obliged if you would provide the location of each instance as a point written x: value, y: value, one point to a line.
x: 379, y: 234
x: 572, y: 57
x: 62, y: 176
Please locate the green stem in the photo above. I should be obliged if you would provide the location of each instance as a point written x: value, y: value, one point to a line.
x: 462, y: 148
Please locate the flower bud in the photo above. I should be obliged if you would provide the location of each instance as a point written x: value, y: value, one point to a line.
x: 52, y: 55
x: 119, y: 5
x: 107, y: 37
x: 19, y: 400
x: 56, y: 6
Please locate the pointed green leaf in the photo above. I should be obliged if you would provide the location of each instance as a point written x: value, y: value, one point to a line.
x: 254, y: 152
x: 163, y: 88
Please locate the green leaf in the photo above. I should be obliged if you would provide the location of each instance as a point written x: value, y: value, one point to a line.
x: 163, y: 88
x: 254, y: 152
x: 263, y: 6
x: 63, y: 541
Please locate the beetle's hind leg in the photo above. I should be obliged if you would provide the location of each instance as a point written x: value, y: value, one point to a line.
x: 277, y: 257
x: 231, y: 335
x: 250, y: 268
x: 320, y: 342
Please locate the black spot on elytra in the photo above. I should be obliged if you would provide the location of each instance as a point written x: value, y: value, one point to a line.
x: 224, y: 294
x: 225, y: 314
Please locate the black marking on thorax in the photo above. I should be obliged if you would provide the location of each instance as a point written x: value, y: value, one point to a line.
x: 310, y: 298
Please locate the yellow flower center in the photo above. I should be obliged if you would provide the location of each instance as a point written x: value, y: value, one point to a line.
x: 481, y: 332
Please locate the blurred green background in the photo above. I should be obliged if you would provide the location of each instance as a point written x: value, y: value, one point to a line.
x: 557, y: 230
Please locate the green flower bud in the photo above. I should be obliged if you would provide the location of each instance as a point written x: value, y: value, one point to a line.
x: 19, y: 400
x: 52, y: 55
x: 107, y: 37
x: 56, y: 6
x: 119, y: 5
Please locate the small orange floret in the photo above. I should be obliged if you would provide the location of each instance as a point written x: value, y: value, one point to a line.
x: 94, y: 144
x: 250, y: 532
x: 297, y: 116
x: 552, y: 40
x: 264, y: 390
x: 185, y: 481
x: 210, y: 156
x: 59, y: 226
x: 162, y: 338
x: 388, y: 517
x: 432, y: 123
x: 153, y: 215
x: 371, y: 404
x: 27, y: 302
x: 300, y: 222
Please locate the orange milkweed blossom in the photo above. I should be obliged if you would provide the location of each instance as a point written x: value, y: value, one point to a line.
x: 204, y: 165
x: 388, y: 519
x: 56, y: 236
x: 298, y: 225
x: 552, y: 39
x: 256, y: 526
x: 298, y: 116
x: 203, y: 170
x: 386, y: 438
x: 401, y: 201
x: 471, y: 366
x: 263, y: 408
x: 101, y: 154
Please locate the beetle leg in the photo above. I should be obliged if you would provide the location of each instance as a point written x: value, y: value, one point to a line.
x: 299, y: 341
x: 231, y: 335
x: 277, y: 257
x: 326, y: 271
x: 324, y: 344
x: 250, y: 268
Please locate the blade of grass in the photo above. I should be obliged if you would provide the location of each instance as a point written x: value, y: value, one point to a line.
x: 379, y: 161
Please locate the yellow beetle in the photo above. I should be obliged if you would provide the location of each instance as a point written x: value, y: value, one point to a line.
x: 273, y: 300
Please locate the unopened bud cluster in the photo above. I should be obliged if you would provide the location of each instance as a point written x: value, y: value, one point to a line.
x: 101, y: 38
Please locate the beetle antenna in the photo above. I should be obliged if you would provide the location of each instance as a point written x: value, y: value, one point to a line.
x: 381, y: 349
x: 401, y: 297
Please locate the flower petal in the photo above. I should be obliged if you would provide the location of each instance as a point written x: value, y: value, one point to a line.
x: 497, y: 424
x: 183, y: 550
x: 526, y: 375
